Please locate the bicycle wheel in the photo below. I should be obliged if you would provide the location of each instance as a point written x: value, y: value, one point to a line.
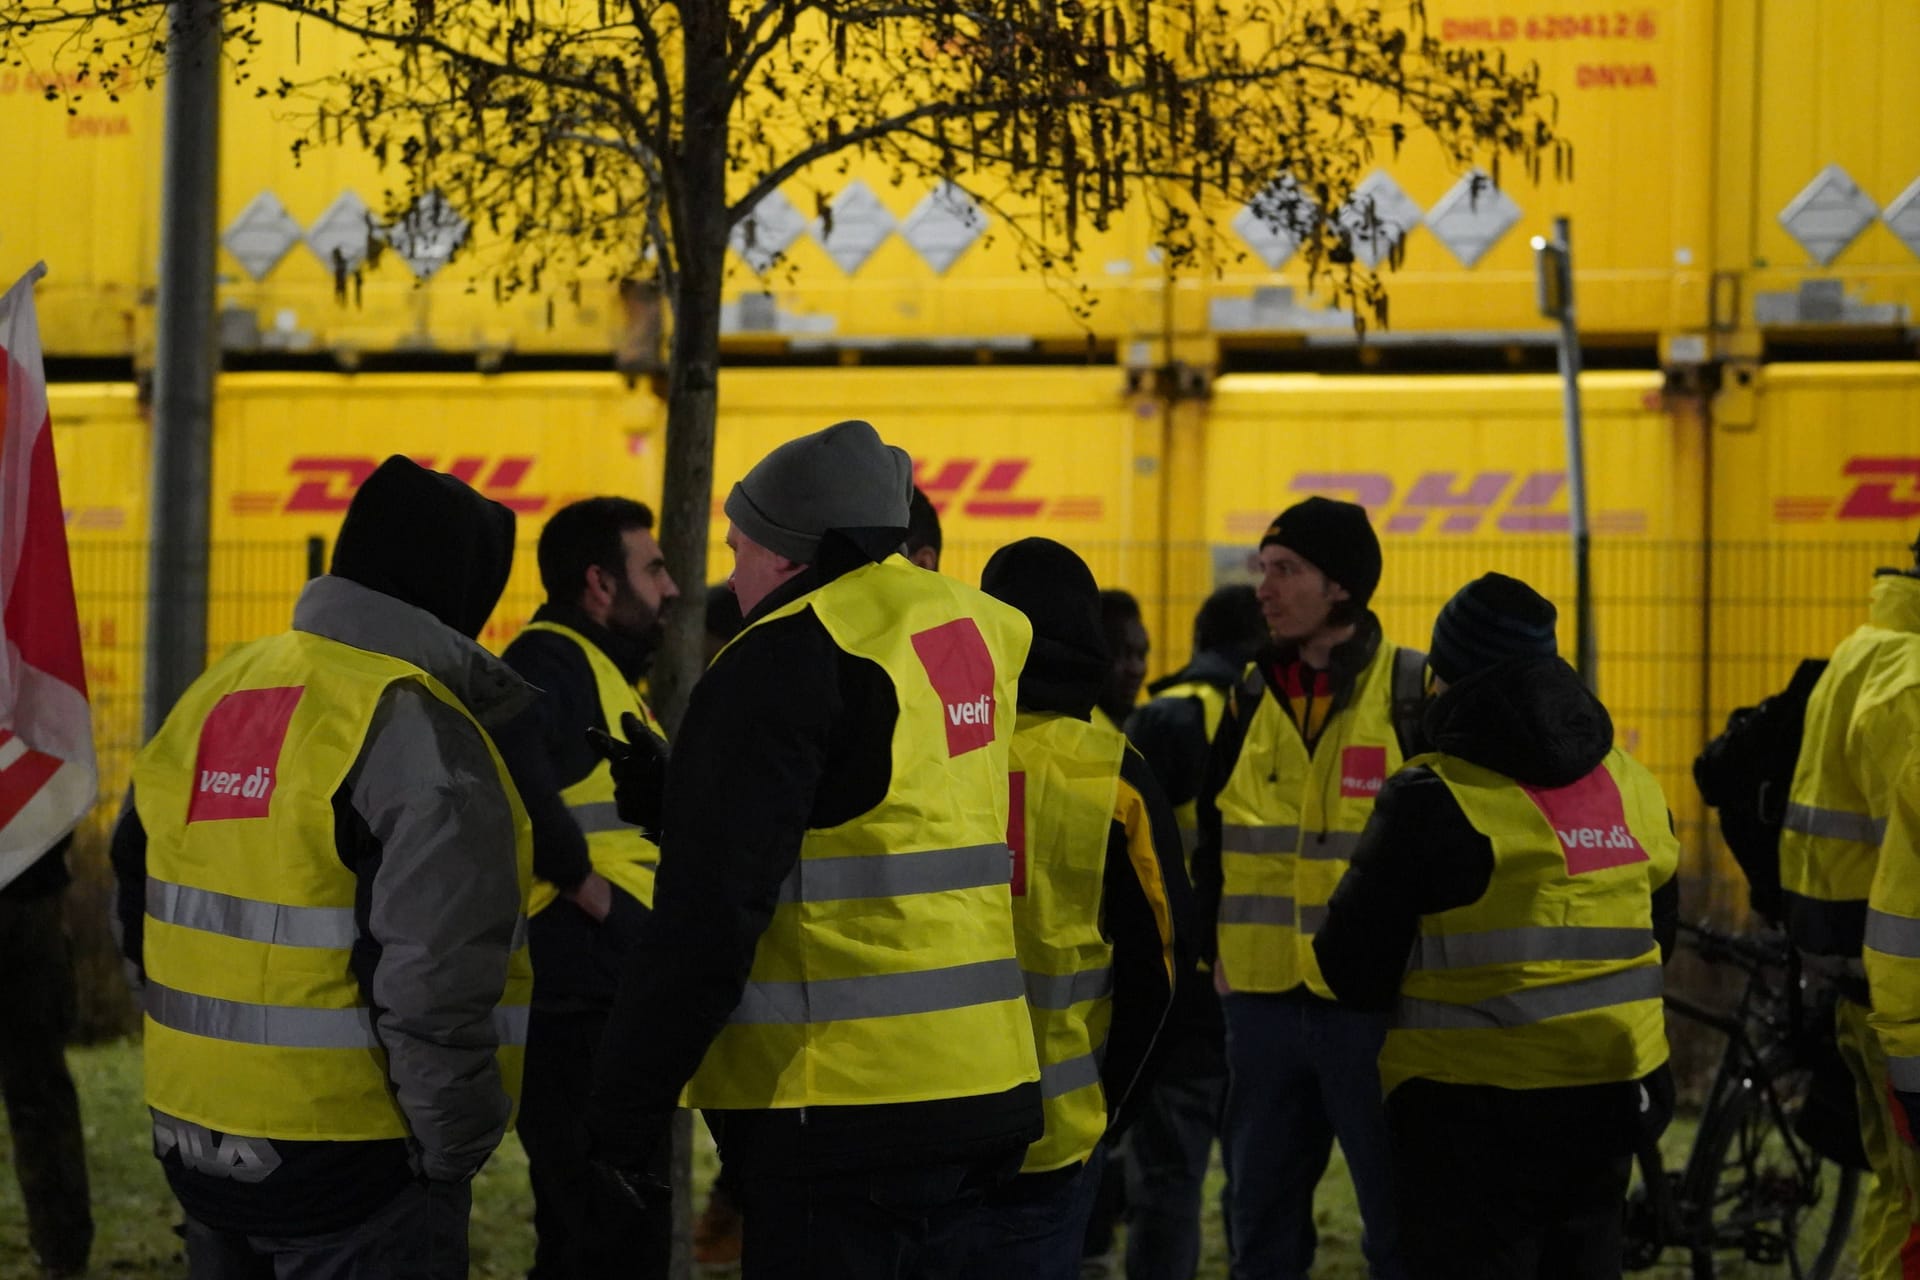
x: 1777, y: 1208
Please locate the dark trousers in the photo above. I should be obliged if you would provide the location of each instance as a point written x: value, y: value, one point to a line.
x: 1301, y: 1073
x: 1166, y: 1160
x: 586, y: 1229
x: 421, y: 1234
x: 903, y: 1223
x: 1490, y: 1189
x: 43, y: 1112
x: 1033, y: 1226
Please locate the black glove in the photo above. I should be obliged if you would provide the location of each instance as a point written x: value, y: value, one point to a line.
x: 639, y: 772
x: 632, y: 1151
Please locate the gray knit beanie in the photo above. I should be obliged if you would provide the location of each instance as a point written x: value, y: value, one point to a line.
x: 845, y: 477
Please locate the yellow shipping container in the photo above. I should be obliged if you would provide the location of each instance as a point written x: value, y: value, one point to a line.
x: 1811, y: 493
x: 1818, y: 199
x: 1633, y: 91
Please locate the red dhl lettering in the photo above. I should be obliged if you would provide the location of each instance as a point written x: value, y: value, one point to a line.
x: 1453, y: 502
x: 1616, y: 76
x: 329, y: 483
x: 1885, y: 488
x: 990, y: 490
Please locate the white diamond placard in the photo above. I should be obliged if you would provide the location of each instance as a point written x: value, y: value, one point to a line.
x: 860, y: 225
x: 1828, y: 213
x: 1902, y: 216
x: 767, y: 231
x: 346, y: 228
x: 1393, y: 216
x: 261, y: 235
x: 427, y: 234
x: 943, y: 226
x: 1472, y: 216
x: 1272, y: 222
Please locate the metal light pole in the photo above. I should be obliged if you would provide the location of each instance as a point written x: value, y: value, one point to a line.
x: 1554, y: 261
x: 185, y: 357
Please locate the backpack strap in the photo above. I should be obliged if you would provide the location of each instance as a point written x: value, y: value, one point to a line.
x: 1409, y: 693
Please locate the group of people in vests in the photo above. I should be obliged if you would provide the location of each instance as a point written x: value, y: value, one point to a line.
x: 901, y: 911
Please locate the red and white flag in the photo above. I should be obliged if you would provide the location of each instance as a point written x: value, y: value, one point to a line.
x: 47, y: 773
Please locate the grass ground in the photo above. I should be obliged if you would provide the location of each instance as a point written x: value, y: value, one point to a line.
x: 136, y: 1215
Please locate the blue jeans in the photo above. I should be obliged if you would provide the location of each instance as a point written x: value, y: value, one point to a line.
x: 1166, y: 1157
x: 1033, y: 1235
x: 1303, y: 1071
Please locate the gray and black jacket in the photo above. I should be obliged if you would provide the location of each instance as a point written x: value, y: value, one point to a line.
x: 423, y: 823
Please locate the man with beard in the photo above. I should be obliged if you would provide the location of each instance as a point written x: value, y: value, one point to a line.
x: 587, y: 646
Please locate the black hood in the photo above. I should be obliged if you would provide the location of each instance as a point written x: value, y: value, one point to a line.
x: 1069, y: 659
x: 428, y: 540
x: 1530, y: 719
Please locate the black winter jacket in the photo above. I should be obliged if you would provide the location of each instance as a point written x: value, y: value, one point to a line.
x: 811, y: 727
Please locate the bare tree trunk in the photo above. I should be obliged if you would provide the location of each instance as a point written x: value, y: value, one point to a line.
x: 700, y: 233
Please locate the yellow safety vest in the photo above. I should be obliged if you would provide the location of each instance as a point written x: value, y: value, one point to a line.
x: 1066, y: 777
x: 888, y: 972
x: 619, y: 851
x: 1892, y: 950
x: 1213, y: 705
x: 1289, y: 824
x: 1553, y: 977
x: 255, y: 1023
x: 1830, y: 839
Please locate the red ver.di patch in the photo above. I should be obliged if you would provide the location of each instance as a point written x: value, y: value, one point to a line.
x: 961, y: 670
x: 1363, y: 771
x: 238, y: 763
x: 1590, y: 820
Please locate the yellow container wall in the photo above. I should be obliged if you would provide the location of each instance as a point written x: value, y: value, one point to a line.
x: 1634, y: 90
x: 1831, y: 84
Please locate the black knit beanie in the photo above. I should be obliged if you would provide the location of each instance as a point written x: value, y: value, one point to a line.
x: 1334, y: 537
x: 1053, y: 586
x: 426, y: 538
x: 1491, y: 619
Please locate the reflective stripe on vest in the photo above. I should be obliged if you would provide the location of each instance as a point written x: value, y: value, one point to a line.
x: 1528, y: 944
x: 598, y: 815
x: 895, y: 874
x: 1903, y: 1073
x: 1290, y: 822
x: 915, y: 995
x: 1534, y: 1004
x: 1065, y: 990
x: 232, y: 917
x: 290, y: 1026
x: 1552, y: 977
x: 1238, y: 838
x: 1893, y: 935
x: 1835, y: 824
x: 1057, y: 1079
x: 880, y: 995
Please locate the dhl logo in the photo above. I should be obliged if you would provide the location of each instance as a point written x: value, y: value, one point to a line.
x: 991, y: 491
x: 327, y: 484
x: 1885, y: 488
x: 1452, y: 502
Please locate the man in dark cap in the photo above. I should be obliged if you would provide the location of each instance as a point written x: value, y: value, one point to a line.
x: 322, y: 883
x: 1315, y: 726
x: 1521, y: 872
x: 830, y: 970
x: 1100, y: 914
